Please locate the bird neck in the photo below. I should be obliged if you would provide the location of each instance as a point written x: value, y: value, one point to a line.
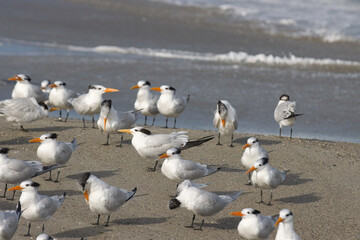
x: 286, y: 226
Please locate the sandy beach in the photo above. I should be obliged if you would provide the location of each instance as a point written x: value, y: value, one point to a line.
x: 320, y: 189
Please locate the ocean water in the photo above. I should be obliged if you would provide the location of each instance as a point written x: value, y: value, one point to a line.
x: 209, y: 49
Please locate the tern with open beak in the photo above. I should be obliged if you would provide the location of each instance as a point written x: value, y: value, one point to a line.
x: 103, y: 199
x: 90, y: 103
x: 284, y: 113
x: 170, y: 105
x: 36, y: 207
x: 24, y: 89
x: 253, y: 225
x: 286, y: 226
x: 9, y: 221
x: 52, y: 151
x: 146, y: 101
x: 150, y: 145
x: 201, y: 202
x: 225, y: 120
x: 265, y: 176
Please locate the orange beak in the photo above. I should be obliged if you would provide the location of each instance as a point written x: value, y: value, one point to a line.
x: 164, y: 156
x: 245, y: 146
x: 15, y: 188
x: 105, y: 119
x: 237, y: 214
x: 251, y: 170
x: 279, y: 221
x: 15, y: 78
x: 53, y: 109
x: 86, y: 195
x: 223, y: 122
x: 53, y: 85
x: 111, y: 90
x: 36, y: 140
x: 156, y: 89
x: 125, y: 131
x: 135, y: 87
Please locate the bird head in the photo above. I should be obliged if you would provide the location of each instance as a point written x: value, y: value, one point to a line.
x: 284, y: 97
x: 251, y: 142
x: 20, y: 78
x: 44, y: 137
x: 258, y: 165
x: 142, y: 84
x: 246, y: 212
x: 136, y: 131
x: 285, y: 216
x: 171, y: 152
x: 26, y: 186
x: 165, y: 89
x: 100, y: 89
x: 57, y: 84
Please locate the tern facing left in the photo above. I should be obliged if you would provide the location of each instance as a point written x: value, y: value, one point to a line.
x: 103, y: 199
x: 225, y: 119
x: 36, y: 207
x: 90, y: 103
x: 284, y: 113
x: 170, y: 105
x: 110, y: 120
x: 52, y: 151
x: 153, y: 145
x: 253, y: 225
x: 59, y: 97
x: 9, y: 221
x: 177, y: 169
x: 286, y: 226
x: 24, y: 89
x: 201, y: 202
x: 265, y: 176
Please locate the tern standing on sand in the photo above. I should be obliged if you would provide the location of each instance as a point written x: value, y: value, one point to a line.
x: 201, y: 202
x: 225, y: 119
x: 90, y: 103
x: 103, y: 199
x: 24, y: 89
x: 59, y: 97
x: 286, y: 226
x: 253, y: 225
x: 170, y: 105
x: 146, y: 101
x: 284, y: 113
x: 36, y: 207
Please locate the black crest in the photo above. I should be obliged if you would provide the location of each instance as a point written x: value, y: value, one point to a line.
x: 172, y: 89
x: 35, y: 184
x: 174, y: 203
x: 145, y: 131
x: 92, y: 87
x: 147, y: 83
x: 178, y: 151
x: 285, y: 96
x: 221, y: 107
x: 84, y: 177
x: 43, y: 105
x: 62, y: 84
x: 4, y: 150
x: 265, y: 160
x: 256, y: 212
x: 107, y: 103
x: 27, y: 78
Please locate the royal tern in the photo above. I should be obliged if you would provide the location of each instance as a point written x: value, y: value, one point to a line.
x: 168, y: 104
x: 90, y: 103
x: 146, y: 101
x: 153, y: 145
x: 253, y: 225
x: 265, y: 176
x: 225, y: 119
x: 23, y: 110
x: 59, y: 97
x: 284, y: 113
x: 37, y: 208
x: 103, y: 199
x: 110, y: 120
x: 52, y: 151
x: 9, y: 222
x: 45, y: 86
x: 201, y: 202
x: 44, y: 236
x: 177, y: 169
x: 24, y: 89
x: 252, y: 152
x: 286, y: 226
x: 14, y: 171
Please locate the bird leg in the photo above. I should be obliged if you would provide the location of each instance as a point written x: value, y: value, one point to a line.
x: 28, y: 233
x: 154, y: 168
x: 84, y: 121
x: 57, y: 176
x: 200, y: 228
x: 218, y: 140
x: 4, y: 196
x: 174, y: 122
x: 93, y: 122
x: 145, y: 120
x: 49, y: 179
x: 67, y: 115
x: 280, y: 132
x: 12, y: 196
x: 232, y: 139
x: 249, y: 182
x: 98, y: 219
x: 261, y: 197
x: 23, y: 129
x: 153, y: 121
x: 269, y: 204
x: 107, y: 222
x: 121, y: 141
x: 107, y: 140
x: 60, y: 119
x: 43, y: 228
x: 192, y: 222
x: 290, y: 133
x: 166, y: 123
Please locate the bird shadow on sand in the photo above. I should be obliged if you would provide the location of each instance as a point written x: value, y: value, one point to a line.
x: 223, y: 223
x: 99, y: 174
x: 305, y: 198
x: 14, y: 141
x: 50, y: 129
x: 140, y: 221
x: 60, y: 192
x: 294, y: 179
x: 82, y: 232
x: 227, y: 168
x: 230, y: 192
x: 243, y: 141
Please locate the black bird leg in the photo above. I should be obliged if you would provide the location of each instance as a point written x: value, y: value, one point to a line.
x: 145, y: 120
x: 60, y: 119
x: 28, y: 233
x: 166, y: 123
x: 200, y: 228
x: 107, y: 222
x: 232, y: 139
x: 57, y: 176
x: 4, y: 196
x: 93, y: 122
x: 218, y: 139
x: 84, y: 121
x: 67, y: 115
x: 153, y: 121
x: 98, y: 219
x: 174, y: 122
x: 107, y: 140
x: 192, y: 222
x: 290, y: 133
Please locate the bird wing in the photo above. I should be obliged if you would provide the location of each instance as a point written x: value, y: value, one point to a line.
x: 284, y: 110
x: 217, y: 120
x: 21, y: 109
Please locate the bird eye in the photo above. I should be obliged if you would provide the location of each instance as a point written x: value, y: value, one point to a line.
x: 136, y: 130
x: 287, y: 215
x: 248, y: 212
x: 254, y: 141
x: 99, y: 88
x: 167, y: 88
x: 173, y: 153
x: 260, y: 164
x: 27, y: 185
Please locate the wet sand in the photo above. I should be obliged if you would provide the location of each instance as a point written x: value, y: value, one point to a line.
x: 321, y: 187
